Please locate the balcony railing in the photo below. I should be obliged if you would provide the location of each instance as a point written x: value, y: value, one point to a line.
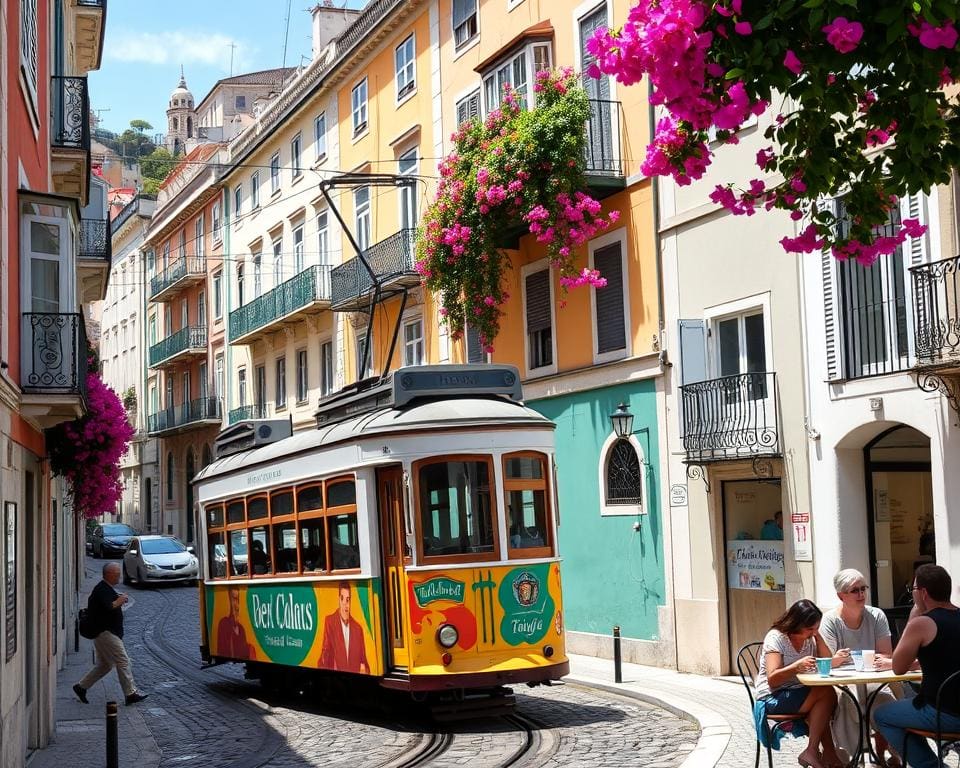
x: 192, y: 337
x: 604, y: 150
x: 95, y: 240
x: 54, y: 354
x: 732, y: 417
x: 300, y: 291
x: 196, y: 412
x: 70, y: 107
x: 185, y: 266
x: 247, y: 412
x: 389, y: 259
x: 936, y: 312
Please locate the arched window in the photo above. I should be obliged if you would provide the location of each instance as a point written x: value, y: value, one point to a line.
x: 176, y: 124
x: 170, y: 476
x: 189, y: 127
x: 624, y: 474
x: 206, y: 455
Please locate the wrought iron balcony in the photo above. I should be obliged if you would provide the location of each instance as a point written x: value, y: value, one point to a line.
x: 733, y: 417
x: 185, y: 271
x: 192, y: 415
x: 54, y: 354
x: 936, y: 313
x: 391, y: 261
x: 247, y: 412
x: 307, y: 291
x: 95, y: 240
x: 188, y: 341
x: 70, y: 107
x: 603, y: 153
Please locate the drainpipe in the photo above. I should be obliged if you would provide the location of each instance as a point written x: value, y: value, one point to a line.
x: 226, y: 282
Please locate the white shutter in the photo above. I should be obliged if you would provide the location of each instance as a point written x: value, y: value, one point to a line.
x: 830, y: 317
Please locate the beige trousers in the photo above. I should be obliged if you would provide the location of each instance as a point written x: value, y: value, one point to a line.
x: 110, y: 652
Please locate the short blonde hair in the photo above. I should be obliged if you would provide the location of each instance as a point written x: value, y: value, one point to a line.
x: 846, y: 579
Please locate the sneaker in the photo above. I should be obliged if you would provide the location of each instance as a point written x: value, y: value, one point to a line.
x: 81, y: 693
x: 134, y: 697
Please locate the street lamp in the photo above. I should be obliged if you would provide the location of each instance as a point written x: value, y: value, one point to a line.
x: 622, y: 421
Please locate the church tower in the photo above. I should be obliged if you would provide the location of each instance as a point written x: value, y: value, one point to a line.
x: 181, y: 119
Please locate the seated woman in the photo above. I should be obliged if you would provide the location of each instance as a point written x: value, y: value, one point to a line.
x: 856, y: 626
x: 791, y: 647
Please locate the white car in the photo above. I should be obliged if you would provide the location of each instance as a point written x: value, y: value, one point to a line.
x: 159, y: 559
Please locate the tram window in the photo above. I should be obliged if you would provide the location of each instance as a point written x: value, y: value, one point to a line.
x: 259, y: 547
x: 216, y: 555
x: 455, y: 508
x: 281, y: 503
x: 344, y: 546
x: 235, y: 512
x: 341, y: 493
x: 524, y: 468
x: 215, y: 516
x: 528, y: 512
x: 257, y: 508
x: 313, y: 545
x: 238, y: 552
x: 310, y: 498
x: 285, y: 547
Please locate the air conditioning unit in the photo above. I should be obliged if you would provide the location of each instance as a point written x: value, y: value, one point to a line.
x: 253, y: 433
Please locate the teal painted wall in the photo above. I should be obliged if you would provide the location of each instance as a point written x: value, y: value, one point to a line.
x: 611, y: 573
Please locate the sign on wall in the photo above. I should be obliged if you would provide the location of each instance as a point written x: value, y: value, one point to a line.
x: 800, y: 528
x: 678, y: 495
x: 755, y: 564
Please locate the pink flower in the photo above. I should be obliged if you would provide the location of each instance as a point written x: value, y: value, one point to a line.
x: 765, y: 158
x: 944, y: 36
x: 843, y: 35
x: 743, y: 28
x: 791, y: 62
x: 913, y: 228
x: 806, y: 242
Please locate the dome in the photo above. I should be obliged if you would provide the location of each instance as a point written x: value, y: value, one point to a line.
x: 181, y: 96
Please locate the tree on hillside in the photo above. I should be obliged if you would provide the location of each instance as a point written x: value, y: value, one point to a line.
x: 155, y: 167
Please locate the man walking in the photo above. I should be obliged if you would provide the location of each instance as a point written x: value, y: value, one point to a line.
x: 106, y: 609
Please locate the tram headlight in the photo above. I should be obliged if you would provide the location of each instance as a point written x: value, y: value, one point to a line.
x: 447, y: 635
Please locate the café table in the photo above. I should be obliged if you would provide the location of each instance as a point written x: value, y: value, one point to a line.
x: 845, y: 676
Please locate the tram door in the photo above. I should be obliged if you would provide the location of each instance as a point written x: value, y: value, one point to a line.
x: 395, y: 554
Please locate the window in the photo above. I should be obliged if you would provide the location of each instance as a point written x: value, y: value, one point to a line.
x: 151, y: 263
x: 182, y: 247
x: 326, y: 368
x: 219, y: 382
x: 475, y: 348
x: 28, y: 44
x: 218, y: 294
x: 413, y: 343
x: 323, y: 238
x: 202, y: 375
x: 456, y: 514
x: 242, y: 387
x: 215, y: 227
x: 609, y: 302
x: 275, y: 173
x: 184, y: 313
x: 364, y: 355
x: 240, y: 102
x: 257, y: 274
x: 260, y: 390
x: 320, y: 136
x: 301, y: 376
x: 202, y: 309
x: 185, y: 391
x: 255, y: 191
x: 237, y: 202
x: 152, y: 330
x: 740, y: 351
x: 361, y: 206
x: 539, y: 320
x: 464, y: 21
x: 295, y: 147
x: 407, y: 166
x: 624, y: 475
x: 277, y: 262
x: 298, y: 250
x: 240, y: 285
x: 358, y: 101
x: 170, y: 476
x: 468, y: 107
x: 281, y: 401
x: 405, y: 59
x: 166, y: 255
x: 527, y: 501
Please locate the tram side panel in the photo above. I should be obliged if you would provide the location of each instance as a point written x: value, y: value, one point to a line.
x: 318, y: 625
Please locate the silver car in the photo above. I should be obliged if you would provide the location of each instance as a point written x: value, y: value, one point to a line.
x: 159, y: 559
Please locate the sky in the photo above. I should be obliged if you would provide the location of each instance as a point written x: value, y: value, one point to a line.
x: 146, y: 43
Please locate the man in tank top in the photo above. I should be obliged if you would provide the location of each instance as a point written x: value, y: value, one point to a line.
x: 932, y: 637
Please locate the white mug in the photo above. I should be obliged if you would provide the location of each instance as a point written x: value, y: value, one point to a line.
x: 868, y: 660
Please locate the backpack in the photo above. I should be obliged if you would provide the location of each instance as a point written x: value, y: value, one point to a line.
x: 87, y: 624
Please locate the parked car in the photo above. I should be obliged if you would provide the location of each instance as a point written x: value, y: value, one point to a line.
x: 111, y: 539
x: 159, y: 559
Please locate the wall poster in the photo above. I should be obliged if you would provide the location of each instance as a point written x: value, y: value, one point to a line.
x: 10, y: 576
x: 755, y: 564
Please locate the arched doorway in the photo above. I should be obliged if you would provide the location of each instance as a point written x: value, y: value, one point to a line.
x: 188, y: 493
x: 899, y: 511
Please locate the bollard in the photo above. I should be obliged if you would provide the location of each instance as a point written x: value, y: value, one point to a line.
x: 113, y: 759
x: 617, y: 671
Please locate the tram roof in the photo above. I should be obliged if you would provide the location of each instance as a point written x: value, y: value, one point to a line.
x: 428, y: 415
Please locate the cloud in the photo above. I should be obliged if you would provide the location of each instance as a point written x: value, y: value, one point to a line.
x: 178, y: 47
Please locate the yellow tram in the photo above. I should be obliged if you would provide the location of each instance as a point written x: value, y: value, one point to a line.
x: 411, y: 538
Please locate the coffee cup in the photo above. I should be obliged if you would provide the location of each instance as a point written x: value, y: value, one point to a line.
x: 868, y: 659
x: 857, y: 657
x: 823, y: 665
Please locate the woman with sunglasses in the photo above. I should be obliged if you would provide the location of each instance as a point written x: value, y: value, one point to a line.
x: 855, y: 626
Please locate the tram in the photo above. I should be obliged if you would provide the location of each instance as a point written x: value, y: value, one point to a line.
x: 411, y: 538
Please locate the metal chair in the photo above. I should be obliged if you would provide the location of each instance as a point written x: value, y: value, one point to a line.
x: 945, y: 740
x: 748, y: 665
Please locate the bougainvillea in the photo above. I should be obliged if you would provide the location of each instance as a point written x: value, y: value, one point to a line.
x: 87, y: 451
x: 861, y: 92
x: 518, y: 171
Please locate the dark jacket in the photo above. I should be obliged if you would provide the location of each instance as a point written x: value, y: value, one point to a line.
x: 100, y: 605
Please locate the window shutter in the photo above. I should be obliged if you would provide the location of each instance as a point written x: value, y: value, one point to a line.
x: 693, y: 351
x: 538, y: 301
x: 475, y: 352
x: 611, y: 334
x: 468, y: 108
x: 463, y: 10
x: 918, y: 248
x: 830, y: 316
